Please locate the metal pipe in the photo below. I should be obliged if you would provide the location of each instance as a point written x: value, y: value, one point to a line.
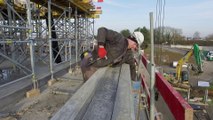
x: 206, y: 96
x: 50, y: 38
x: 58, y: 39
x: 35, y: 86
x: 6, y: 26
x: 14, y: 81
x: 93, y: 22
x: 8, y: 5
x: 70, y: 50
x: 56, y: 21
x: 10, y: 30
x: 87, y: 35
x: 93, y: 32
x: 11, y: 41
x: 59, y: 51
x: 76, y: 35
x: 152, y: 76
x: 65, y: 36
x: 11, y: 60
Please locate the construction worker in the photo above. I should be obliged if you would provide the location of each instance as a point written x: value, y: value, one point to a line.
x: 113, y: 49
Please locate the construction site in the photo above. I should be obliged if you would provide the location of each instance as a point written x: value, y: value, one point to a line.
x: 41, y: 42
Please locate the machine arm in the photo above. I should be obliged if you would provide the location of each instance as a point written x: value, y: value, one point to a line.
x: 193, y: 51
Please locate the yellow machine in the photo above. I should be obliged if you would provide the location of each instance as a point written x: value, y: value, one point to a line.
x: 193, y: 51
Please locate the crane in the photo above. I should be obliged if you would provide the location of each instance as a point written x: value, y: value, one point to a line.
x: 193, y: 51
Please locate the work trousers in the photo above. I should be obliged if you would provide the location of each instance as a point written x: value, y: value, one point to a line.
x: 87, y: 70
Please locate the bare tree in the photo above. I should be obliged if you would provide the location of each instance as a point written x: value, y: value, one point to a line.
x: 210, y: 37
x: 168, y: 34
x: 196, y: 36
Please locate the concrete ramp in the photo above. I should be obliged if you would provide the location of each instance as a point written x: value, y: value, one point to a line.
x: 105, y: 96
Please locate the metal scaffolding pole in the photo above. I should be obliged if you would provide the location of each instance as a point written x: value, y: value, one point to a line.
x: 87, y: 31
x: 65, y: 36
x: 93, y: 28
x: 11, y: 8
x: 35, y: 82
x: 39, y: 24
x: 50, y: 38
x: 10, y: 30
x: 15, y: 62
x: 26, y: 22
x: 76, y: 35
x: 70, y: 42
x: 152, y: 76
x: 11, y: 27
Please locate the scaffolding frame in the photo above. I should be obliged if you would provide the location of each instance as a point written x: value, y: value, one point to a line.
x: 26, y: 37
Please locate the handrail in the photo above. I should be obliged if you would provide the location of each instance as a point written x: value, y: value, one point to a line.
x: 178, y: 106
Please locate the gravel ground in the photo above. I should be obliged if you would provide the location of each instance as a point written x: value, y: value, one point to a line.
x: 206, y: 112
x: 44, y: 106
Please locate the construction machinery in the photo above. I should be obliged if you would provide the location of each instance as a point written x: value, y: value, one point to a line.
x: 197, y: 55
x: 209, y: 56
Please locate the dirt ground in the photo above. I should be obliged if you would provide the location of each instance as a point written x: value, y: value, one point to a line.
x: 205, y: 113
x: 44, y: 106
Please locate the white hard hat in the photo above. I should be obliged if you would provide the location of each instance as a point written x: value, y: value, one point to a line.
x: 139, y: 37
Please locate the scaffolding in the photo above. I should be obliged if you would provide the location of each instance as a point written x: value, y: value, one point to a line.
x: 38, y: 33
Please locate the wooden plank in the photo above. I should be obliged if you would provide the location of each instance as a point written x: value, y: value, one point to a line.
x: 76, y: 106
x: 189, y: 114
x: 33, y: 93
x: 102, y: 104
x: 124, y: 104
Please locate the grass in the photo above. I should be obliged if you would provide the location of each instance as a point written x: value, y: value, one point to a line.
x: 211, y: 87
x: 165, y: 57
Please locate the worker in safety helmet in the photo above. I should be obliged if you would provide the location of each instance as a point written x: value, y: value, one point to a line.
x: 113, y: 49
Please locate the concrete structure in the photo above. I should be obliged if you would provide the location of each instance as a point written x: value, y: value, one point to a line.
x: 49, y: 33
x: 105, y: 96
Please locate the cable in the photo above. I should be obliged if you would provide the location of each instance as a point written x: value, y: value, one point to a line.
x: 159, y: 26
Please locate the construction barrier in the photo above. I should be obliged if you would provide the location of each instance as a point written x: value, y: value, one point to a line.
x: 176, y: 104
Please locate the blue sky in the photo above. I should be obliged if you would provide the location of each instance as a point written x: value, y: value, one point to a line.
x: 189, y: 15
